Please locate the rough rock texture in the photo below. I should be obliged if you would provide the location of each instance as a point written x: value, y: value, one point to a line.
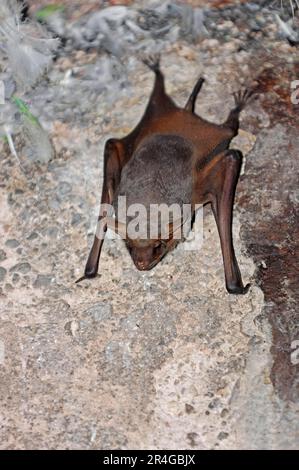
x: 166, y: 358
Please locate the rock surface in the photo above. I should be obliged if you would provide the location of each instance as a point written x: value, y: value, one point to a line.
x: 166, y: 358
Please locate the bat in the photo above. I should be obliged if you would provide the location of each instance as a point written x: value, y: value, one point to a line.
x: 173, y: 156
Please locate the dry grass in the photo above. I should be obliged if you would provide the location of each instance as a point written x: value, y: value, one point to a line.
x: 286, y: 4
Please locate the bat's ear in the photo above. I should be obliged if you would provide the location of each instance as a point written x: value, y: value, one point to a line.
x: 118, y: 227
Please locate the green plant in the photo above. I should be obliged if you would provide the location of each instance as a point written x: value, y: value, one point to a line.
x: 24, y: 110
x: 43, y: 13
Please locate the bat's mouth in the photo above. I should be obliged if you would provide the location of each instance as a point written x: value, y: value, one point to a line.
x: 158, y: 252
x: 143, y: 266
x: 146, y: 266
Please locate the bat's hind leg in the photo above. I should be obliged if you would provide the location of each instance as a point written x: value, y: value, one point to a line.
x: 190, y: 105
x: 159, y: 100
x: 241, y: 100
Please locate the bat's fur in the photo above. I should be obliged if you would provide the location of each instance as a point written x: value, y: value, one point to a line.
x: 146, y: 178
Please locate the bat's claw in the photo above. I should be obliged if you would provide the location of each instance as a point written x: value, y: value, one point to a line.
x: 152, y: 61
x: 238, y: 290
x: 243, y: 97
x: 86, y: 277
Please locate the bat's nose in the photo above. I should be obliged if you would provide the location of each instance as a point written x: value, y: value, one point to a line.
x: 141, y: 265
x: 142, y: 257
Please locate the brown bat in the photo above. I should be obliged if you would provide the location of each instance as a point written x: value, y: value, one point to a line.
x: 173, y: 156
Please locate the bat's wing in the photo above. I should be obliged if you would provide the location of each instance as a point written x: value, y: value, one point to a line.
x: 216, y: 183
x: 114, y: 160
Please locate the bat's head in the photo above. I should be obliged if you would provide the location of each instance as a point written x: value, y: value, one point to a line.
x: 147, y: 252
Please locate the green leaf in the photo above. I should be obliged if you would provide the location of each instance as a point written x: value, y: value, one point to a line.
x: 43, y: 13
x: 24, y: 110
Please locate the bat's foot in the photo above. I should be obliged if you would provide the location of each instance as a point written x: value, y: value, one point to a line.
x: 242, y: 98
x: 152, y: 61
x: 238, y: 290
